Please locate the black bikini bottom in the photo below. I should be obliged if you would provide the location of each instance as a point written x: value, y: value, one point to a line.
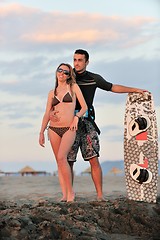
x: 59, y: 130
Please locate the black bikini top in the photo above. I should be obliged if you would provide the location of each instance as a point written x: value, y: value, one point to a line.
x: 67, y: 98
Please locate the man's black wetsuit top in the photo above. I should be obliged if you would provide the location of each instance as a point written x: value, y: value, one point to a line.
x: 88, y: 82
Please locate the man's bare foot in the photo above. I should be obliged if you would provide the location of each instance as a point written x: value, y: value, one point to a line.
x: 101, y: 199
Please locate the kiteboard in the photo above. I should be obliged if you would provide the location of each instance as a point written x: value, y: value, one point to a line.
x: 141, y: 147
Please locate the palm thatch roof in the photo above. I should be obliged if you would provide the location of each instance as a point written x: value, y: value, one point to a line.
x: 88, y: 170
x: 115, y: 170
x: 27, y: 169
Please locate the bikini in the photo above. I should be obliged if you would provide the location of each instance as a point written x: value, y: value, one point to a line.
x: 59, y: 130
x: 67, y: 99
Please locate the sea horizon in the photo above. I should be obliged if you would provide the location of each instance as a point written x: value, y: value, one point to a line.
x: 50, y: 167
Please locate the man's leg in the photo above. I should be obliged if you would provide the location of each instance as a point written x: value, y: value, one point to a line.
x: 96, y: 173
x: 90, y: 151
x: 73, y: 154
x: 72, y: 171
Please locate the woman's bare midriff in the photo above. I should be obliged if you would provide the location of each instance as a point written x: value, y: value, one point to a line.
x: 63, y: 115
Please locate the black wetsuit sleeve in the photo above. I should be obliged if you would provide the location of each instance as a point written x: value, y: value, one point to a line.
x: 102, y: 83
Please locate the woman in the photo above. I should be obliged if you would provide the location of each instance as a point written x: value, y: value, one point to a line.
x: 62, y: 128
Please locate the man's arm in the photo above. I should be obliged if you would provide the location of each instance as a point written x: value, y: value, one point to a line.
x: 124, y: 89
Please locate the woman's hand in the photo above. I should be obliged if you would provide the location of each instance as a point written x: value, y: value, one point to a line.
x: 41, y: 139
x: 74, y: 124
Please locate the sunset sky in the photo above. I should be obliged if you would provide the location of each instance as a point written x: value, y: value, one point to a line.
x: 122, y: 37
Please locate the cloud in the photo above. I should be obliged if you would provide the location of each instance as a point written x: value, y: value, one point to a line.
x: 124, y: 50
x: 68, y: 37
x: 19, y: 110
x: 35, y: 76
x: 22, y: 125
x: 15, y: 10
x: 27, y: 28
x: 112, y: 132
x: 32, y: 32
x: 144, y: 74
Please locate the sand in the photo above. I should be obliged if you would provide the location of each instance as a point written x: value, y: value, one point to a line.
x: 43, y: 187
x: 30, y: 209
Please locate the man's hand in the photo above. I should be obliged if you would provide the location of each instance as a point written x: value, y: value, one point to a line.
x: 53, y: 116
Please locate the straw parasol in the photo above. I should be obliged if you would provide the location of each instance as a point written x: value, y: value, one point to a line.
x: 88, y: 171
x: 115, y: 170
x: 1, y: 171
x: 27, y: 170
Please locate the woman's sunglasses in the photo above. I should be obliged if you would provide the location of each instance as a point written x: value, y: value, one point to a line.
x: 60, y: 70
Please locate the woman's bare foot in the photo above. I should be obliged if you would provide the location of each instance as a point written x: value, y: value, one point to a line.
x: 71, y: 197
x: 63, y: 199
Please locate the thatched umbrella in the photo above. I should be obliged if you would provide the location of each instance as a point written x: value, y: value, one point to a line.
x: 27, y: 170
x: 88, y: 171
x: 115, y: 170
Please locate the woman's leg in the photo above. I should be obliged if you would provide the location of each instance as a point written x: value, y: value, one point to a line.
x: 64, y: 148
x: 55, y: 141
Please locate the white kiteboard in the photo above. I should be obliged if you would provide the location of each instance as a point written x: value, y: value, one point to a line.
x: 141, y: 147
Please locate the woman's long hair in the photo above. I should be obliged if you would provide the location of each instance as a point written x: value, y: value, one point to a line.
x: 70, y: 81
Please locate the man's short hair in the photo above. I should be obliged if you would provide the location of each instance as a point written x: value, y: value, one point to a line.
x: 83, y: 52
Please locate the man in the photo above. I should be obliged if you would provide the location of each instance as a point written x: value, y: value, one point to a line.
x: 87, y: 137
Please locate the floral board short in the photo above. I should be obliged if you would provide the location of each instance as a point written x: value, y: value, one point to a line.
x: 87, y: 140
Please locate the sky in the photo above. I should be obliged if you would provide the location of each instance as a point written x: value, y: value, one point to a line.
x: 122, y: 38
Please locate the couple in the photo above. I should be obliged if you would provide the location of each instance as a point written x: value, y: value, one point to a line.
x: 70, y: 114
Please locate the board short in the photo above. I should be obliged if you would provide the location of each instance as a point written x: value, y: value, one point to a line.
x: 87, y: 140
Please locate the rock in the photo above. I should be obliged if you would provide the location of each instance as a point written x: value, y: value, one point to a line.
x: 115, y: 219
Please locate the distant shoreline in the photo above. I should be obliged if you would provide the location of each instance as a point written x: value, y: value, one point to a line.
x: 47, y: 166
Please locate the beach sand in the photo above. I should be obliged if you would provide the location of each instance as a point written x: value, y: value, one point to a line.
x: 30, y: 209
